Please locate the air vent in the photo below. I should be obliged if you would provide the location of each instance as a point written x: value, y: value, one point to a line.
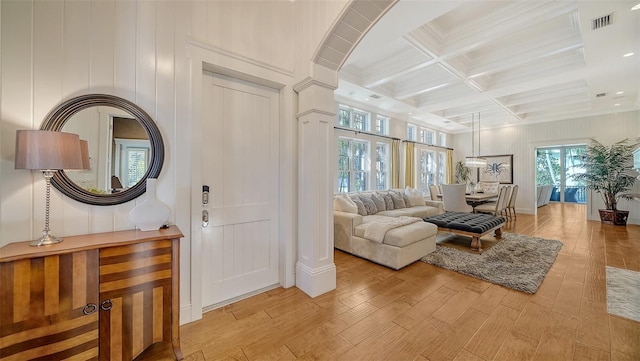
x: 600, y: 95
x: 601, y: 22
x: 375, y: 96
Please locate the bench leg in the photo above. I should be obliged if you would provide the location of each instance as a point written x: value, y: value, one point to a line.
x: 499, y: 233
x: 476, y: 244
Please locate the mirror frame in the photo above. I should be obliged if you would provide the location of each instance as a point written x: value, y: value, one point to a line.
x: 56, y: 119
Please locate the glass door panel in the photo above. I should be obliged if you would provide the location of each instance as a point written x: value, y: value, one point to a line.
x: 554, y: 166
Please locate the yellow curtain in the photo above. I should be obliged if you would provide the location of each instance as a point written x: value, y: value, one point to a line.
x: 410, y: 169
x: 395, y: 163
x: 450, y: 170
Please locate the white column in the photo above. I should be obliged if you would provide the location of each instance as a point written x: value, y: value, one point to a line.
x: 315, y: 270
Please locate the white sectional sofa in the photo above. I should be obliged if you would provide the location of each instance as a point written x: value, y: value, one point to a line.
x: 405, y: 240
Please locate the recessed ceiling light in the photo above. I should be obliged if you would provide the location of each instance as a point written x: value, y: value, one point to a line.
x: 366, y: 98
x: 636, y: 7
x: 628, y: 55
x: 620, y: 92
x: 616, y: 105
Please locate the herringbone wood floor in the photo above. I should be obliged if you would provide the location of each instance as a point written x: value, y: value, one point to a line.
x: 424, y: 312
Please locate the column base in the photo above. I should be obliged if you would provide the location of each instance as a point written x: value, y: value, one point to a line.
x: 315, y: 282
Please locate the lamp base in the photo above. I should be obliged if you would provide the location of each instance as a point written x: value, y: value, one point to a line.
x: 45, y: 240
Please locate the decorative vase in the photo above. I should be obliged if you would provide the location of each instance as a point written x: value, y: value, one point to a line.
x: 150, y: 214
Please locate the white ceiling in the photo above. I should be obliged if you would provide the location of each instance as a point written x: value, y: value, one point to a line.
x: 515, y: 62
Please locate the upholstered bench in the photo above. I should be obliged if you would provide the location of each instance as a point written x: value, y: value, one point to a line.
x: 474, y: 225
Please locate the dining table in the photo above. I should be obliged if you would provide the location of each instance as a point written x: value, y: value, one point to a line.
x: 477, y: 198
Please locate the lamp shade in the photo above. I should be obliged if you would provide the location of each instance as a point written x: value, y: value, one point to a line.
x: 47, y: 150
x: 84, y: 150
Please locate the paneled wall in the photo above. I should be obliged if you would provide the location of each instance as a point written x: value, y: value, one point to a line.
x: 139, y: 50
x: 521, y: 141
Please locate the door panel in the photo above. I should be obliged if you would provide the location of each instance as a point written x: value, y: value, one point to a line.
x: 240, y: 165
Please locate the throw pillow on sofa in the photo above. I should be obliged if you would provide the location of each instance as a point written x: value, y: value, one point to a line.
x: 388, y: 201
x: 361, y: 210
x: 369, y: 205
x: 415, y: 197
x: 343, y: 203
x: 398, y: 200
x: 378, y: 200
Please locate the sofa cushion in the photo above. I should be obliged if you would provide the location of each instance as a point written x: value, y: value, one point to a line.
x: 379, y: 201
x: 388, y: 201
x: 398, y: 200
x: 368, y: 204
x: 423, y: 211
x: 343, y: 203
x: 401, y: 236
x: 414, y: 196
x: 397, y: 213
x: 361, y: 209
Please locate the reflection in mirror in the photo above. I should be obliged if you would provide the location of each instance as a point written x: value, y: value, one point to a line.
x: 125, y: 147
x: 119, y: 149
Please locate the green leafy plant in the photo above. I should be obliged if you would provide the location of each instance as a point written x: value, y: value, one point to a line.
x: 608, y: 171
x: 462, y: 173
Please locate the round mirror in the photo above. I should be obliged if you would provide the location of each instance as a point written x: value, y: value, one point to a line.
x: 125, y: 148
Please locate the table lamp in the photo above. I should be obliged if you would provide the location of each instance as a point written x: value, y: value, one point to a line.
x: 47, y: 151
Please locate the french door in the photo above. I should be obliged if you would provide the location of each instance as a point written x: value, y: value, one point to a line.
x: 555, y: 166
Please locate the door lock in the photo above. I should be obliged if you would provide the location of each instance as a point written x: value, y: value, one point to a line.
x: 205, y: 218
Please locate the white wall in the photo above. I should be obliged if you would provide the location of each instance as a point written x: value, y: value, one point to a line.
x: 521, y: 141
x: 139, y: 50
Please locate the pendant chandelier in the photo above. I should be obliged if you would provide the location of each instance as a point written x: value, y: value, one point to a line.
x: 473, y: 161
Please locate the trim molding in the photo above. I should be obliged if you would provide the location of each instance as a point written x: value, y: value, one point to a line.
x: 315, y: 282
x: 236, y: 56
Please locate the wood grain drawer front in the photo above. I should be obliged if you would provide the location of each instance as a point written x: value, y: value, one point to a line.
x: 135, y: 282
x: 41, y: 313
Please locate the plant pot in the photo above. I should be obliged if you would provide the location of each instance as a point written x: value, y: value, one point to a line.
x: 617, y: 218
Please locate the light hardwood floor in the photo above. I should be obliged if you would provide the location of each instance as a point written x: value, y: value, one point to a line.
x: 423, y: 312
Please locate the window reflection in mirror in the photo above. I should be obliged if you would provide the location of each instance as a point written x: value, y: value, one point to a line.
x: 119, y: 149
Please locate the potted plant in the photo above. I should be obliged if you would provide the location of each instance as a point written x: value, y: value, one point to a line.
x: 463, y: 175
x: 608, y: 172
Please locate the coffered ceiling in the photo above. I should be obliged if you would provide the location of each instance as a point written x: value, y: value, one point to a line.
x: 515, y: 62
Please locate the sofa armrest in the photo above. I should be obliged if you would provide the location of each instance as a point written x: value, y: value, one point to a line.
x: 344, y: 225
x: 436, y: 204
x: 347, y: 220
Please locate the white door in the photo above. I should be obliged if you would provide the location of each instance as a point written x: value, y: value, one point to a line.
x: 240, y: 166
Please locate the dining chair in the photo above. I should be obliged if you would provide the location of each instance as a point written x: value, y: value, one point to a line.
x: 512, y: 202
x: 489, y: 187
x: 498, y: 207
x: 433, y: 192
x: 453, y: 198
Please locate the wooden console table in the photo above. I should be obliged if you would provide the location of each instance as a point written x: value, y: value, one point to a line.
x: 106, y: 296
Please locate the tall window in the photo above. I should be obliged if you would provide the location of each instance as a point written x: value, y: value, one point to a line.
x: 412, y: 132
x: 382, y: 125
x: 353, y: 118
x: 382, y: 166
x: 352, y: 165
x: 427, y: 175
x: 430, y: 136
x: 442, y: 167
x: 443, y: 139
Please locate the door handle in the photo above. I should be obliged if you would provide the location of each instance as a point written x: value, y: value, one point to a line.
x: 106, y: 305
x: 205, y: 218
x: 89, y: 309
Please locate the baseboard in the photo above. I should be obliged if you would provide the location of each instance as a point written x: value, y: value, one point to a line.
x: 315, y: 282
x: 185, y: 314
